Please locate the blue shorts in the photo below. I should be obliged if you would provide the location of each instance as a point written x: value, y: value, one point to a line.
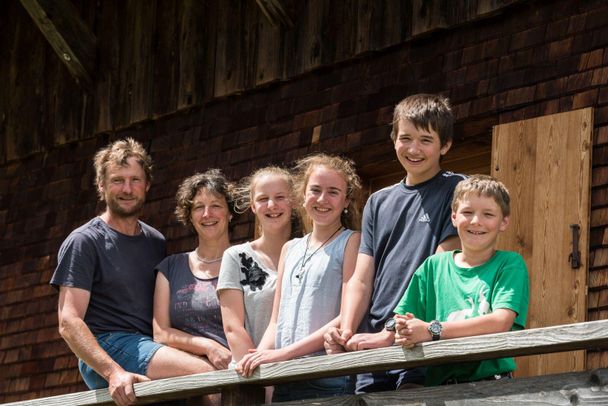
x: 314, y: 388
x: 389, y: 380
x: 132, y: 351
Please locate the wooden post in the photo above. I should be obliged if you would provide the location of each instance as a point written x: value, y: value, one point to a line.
x: 243, y: 395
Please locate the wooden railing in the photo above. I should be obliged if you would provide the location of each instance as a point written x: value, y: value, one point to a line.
x: 242, y: 391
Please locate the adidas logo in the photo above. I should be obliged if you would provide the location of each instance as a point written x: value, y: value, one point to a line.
x: 424, y: 218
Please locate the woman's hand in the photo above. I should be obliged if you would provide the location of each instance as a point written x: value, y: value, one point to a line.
x: 255, y: 358
x: 219, y: 355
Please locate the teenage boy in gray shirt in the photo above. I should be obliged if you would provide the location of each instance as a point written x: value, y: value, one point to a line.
x: 402, y: 225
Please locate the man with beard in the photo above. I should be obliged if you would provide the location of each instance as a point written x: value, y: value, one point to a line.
x: 105, y: 275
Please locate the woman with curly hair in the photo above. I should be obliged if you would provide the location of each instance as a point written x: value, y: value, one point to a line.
x: 186, y: 310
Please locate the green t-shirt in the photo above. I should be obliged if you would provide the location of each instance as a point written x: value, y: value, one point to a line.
x: 441, y: 290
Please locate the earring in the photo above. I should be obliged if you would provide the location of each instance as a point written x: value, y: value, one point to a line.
x: 345, y: 211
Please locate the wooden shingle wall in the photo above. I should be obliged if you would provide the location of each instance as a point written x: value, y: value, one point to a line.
x: 532, y: 59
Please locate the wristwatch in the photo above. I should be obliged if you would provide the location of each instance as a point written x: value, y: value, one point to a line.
x: 390, y: 324
x: 435, y: 329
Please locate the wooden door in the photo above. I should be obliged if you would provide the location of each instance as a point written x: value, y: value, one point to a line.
x: 545, y: 164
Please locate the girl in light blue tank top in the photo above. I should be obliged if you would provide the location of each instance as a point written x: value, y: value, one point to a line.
x: 312, y: 273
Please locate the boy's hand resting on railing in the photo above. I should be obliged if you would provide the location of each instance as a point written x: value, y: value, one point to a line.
x: 255, y: 358
x: 409, y: 330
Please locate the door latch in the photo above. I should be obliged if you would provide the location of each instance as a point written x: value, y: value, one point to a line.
x: 575, y: 256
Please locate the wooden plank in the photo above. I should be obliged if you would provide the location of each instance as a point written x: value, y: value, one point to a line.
x: 106, y: 103
x: 236, y: 45
x: 25, y: 113
x: 68, y: 35
x: 429, y: 15
x: 142, y: 83
x: 269, y: 53
x: 584, y: 388
x: 550, y: 339
x: 167, y: 58
x: 537, y: 341
x: 277, y: 13
x: 545, y: 163
x: 192, y: 61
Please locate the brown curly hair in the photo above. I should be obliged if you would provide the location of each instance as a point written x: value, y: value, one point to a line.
x: 214, y: 181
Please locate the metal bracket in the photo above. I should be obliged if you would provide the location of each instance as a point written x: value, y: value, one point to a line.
x: 575, y: 256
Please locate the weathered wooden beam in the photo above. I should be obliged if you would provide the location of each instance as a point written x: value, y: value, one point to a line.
x: 68, y: 35
x: 578, y: 336
x: 577, y: 388
x: 276, y: 13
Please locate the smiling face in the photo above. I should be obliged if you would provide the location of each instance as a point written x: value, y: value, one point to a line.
x: 209, y: 215
x: 124, y: 188
x: 325, y: 196
x: 419, y: 152
x: 271, y: 202
x: 479, y: 220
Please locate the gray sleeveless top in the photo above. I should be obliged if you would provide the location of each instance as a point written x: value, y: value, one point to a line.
x: 310, y: 296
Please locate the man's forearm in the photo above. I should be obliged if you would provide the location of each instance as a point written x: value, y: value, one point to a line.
x: 84, y: 345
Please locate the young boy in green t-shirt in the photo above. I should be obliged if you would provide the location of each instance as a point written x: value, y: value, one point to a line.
x: 478, y: 290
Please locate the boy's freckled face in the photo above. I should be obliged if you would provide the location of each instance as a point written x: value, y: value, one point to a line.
x: 418, y: 151
x: 479, y: 220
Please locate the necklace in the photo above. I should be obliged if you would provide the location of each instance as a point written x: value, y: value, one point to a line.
x: 305, y: 260
x: 205, y: 260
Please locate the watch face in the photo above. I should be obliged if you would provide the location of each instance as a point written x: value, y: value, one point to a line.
x: 435, y: 328
x: 390, y: 324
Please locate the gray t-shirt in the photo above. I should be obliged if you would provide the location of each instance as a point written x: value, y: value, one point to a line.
x: 117, y: 269
x: 243, y: 270
x: 310, y: 295
x: 402, y: 225
x: 193, y: 305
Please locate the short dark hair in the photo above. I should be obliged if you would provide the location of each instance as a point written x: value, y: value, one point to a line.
x: 426, y: 111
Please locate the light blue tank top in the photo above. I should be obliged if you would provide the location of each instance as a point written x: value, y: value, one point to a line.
x: 310, y: 296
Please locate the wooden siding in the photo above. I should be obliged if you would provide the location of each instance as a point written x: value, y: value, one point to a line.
x: 158, y: 57
x: 535, y: 58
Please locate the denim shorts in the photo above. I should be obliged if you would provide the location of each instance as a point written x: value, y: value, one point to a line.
x: 389, y: 380
x: 314, y: 388
x: 132, y: 351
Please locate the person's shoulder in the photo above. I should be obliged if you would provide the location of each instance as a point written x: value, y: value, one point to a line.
x: 238, y: 248
x: 150, y: 231
x: 438, y: 258
x: 387, y: 190
x: 170, y: 261
x: 89, y: 231
x: 450, y: 178
x: 510, y: 257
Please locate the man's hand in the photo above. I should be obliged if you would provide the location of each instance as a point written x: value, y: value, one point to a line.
x: 410, y: 330
x: 367, y: 341
x: 336, y: 339
x: 120, y: 386
x: 219, y: 355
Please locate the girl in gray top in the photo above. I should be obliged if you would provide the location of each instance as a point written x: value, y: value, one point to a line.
x: 248, y: 274
x: 312, y: 272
